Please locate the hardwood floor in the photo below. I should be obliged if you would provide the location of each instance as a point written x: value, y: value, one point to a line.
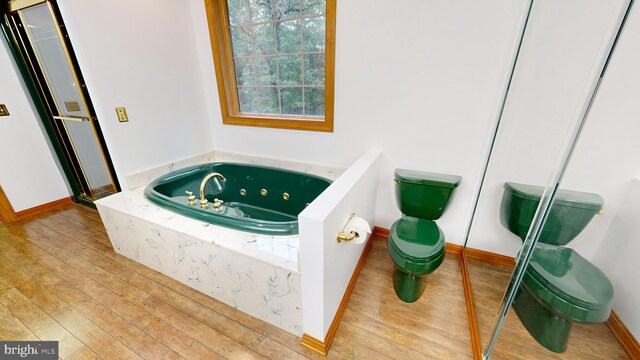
x: 489, y: 282
x: 60, y: 280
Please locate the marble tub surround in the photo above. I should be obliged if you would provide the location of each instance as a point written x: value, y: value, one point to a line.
x: 329, y: 172
x: 144, y: 177
x: 257, y: 274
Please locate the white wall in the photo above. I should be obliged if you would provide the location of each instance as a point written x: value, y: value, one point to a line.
x: 421, y: 81
x: 325, y: 265
x: 141, y: 55
x: 617, y: 256
x: 28, y: 173
x: 563, y: 42
x: 607, y: 155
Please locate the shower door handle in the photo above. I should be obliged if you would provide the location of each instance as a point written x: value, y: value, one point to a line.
x: 71, y: 118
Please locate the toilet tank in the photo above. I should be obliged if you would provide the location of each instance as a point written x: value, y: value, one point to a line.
x: 423, y: 194
x: 570, y: 212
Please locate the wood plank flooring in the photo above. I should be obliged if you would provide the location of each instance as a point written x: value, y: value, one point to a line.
x: 60, y: 280
x: 489, y: 281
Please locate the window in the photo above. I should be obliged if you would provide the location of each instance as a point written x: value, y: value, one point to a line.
x: 274, y: 61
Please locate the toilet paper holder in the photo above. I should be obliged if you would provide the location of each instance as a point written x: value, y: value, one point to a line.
x: 342, y: 236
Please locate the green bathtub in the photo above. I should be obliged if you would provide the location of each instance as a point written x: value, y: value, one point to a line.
x: 257, y: 199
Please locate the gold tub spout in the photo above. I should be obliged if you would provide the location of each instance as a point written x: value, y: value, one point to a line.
x: 203, y: 202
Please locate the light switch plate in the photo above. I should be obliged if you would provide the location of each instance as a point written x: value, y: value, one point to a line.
x: 3, y: 110
x: 122, y: 114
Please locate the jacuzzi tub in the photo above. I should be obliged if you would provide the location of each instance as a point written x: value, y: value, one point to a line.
x: 248, y: 262
x: 257, y: 199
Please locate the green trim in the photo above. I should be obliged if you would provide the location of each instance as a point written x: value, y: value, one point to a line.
x: 40, y: 109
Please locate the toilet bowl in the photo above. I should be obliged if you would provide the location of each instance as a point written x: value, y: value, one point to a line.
x: 559, y: 286
x: 416, y: 244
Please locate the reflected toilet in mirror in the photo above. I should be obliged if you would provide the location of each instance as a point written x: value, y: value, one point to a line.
x: 416, y: 244
x: 559, y: 286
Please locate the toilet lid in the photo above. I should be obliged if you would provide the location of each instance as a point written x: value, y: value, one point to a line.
x: 568, y: 282
x: 417, y: 240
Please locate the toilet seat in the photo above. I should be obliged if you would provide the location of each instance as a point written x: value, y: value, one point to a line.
x: 416, y: 245
x: 569, y: 284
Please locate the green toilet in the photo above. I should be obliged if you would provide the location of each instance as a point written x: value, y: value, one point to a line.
x: 416, y: 243
x: 559, y: 286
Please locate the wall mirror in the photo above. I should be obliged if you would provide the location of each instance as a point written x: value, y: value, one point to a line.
x: 563, y: 50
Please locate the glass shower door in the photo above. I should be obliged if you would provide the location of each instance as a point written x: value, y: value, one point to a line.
x: 43, y: 42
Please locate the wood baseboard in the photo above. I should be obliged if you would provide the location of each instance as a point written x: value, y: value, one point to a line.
x: 322, y: 347
x: 455, y: 249
x: 314, y: 344
x: 42, y: 208
x: 380, y: 231
x: 476, y: 344
x: 490, y: 257
x: 626, y: 339
x: 7, y: 214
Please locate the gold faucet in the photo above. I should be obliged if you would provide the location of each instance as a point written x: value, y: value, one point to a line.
x: 204, y: 203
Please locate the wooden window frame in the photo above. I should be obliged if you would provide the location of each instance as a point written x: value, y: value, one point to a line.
x: 220, y: 37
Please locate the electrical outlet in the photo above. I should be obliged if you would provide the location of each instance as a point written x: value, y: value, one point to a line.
x: 3, y: 110
x: 122, y: 114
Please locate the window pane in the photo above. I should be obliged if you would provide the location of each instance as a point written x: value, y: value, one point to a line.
x: 314, y: 69
x: 268, y: 101
x: 265, y: 40
x: 314, y: 34
x: 313, y: 7
x: 287, y: 9
x: 291, y: 100
x: 261, y: 11
x: 289, y: 40
x: 241, y: 41
x: 266, y: 71
x: 290, y: 70
x: 244, y: 72
x: 247, y: 99
x: 238, y: 12
x: 314, y: 101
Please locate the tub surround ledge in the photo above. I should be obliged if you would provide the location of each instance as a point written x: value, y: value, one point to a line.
x: 143, y: 178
